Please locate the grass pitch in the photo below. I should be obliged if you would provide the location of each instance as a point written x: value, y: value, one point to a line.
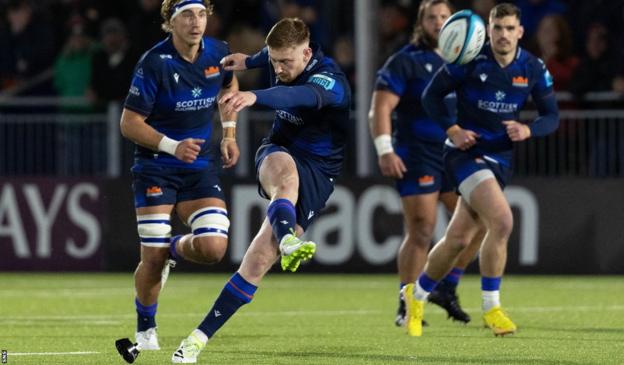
x: 311, y: 319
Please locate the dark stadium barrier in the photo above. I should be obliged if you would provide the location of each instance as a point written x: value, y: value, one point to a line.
x: 562, y: 226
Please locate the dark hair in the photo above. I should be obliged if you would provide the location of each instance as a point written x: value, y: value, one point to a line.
x: 505, y: 9
x: 419, y: 37
x: 288, y: 32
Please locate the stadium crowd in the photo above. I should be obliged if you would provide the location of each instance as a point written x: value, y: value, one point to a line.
x: 88, y: 48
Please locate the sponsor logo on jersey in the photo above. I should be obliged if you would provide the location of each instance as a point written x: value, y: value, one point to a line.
x: 153, y: 191
x: 426, y: 180
x: 428, y: 67
x: 139, y: 72
x: 483, y: 77
x: 211, y: 71
x: 176, y: 77
x: 324, y: 81
x: 134, y: 91
x: 497, y: 106
x: 197, y: 91
x: 194, y: 104
x: 520, y: 81
x: 166, y: 56
x: 289, y: 117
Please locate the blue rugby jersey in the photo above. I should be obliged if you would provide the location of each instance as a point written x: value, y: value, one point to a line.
x: 178, y: 98
x: 312, y: 111
x: 488, y: 94
x: 406, y: 74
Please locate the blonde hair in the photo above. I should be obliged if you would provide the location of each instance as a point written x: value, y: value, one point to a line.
x: 167, y: 9
x: 288, y: 32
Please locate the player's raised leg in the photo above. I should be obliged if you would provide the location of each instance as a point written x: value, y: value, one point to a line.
x: 280, y: 181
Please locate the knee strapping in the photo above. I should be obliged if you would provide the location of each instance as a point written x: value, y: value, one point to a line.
x: 154, y: 230
x: 210, y: 221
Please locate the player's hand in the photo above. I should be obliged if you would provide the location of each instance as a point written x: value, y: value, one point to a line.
x: 188, y: 149
x: 234, y: 62
x: 462, y: 138
x: 229, y: 152
x: 237, y: 100
x: 391, y: 165
x: 517, y: 131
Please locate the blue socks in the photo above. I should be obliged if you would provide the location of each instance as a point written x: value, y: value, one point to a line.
x: 236, y: 293
x: 145, y: 315
x: 283, y: 217
x: 490, y: 284
x: 452, y: 278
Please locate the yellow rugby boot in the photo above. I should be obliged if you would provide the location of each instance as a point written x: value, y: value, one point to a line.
x: 498, y: 321
x: 414, y: 311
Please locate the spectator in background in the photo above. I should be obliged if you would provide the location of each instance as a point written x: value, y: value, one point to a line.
x: 145, y: 25
x: 113, y: 64
x: 393, y: 25
x: 27, y: 48
x: 598, y: 68
x: 72, y: 69
x: 553, y: 44
x: 247, y: 40
x: 483, y: 7
x: 344, y: 55
x: 534, y: 10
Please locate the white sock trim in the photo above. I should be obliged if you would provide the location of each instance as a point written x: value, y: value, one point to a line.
x: 200, y: 335
x: 491, y: 299
x: 420, y: 293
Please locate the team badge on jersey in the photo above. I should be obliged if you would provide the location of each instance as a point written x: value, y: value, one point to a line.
x: 426, y: 180
x: 520, y: 81
x: 211, y: 71
x: 153, y: 191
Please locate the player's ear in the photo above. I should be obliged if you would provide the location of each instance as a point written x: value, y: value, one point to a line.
x: 520, y: 32
x: 307, y: 53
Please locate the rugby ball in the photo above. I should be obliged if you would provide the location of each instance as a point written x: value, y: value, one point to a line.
x: 461, y: 37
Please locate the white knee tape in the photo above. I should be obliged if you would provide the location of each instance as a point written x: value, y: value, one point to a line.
x: 210, y: 221
x: 471, y: 182
x: 154, y: 230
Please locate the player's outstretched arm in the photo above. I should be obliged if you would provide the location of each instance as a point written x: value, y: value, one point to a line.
x: 235, y: 101
x: 433, y: 96
x: 234, y: 62
x: 134, y: 128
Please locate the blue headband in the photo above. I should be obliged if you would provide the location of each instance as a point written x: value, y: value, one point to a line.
x: 187, y: 4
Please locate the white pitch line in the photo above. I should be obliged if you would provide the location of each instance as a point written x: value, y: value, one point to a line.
x: 103, y: 319
x: 51, y: 353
